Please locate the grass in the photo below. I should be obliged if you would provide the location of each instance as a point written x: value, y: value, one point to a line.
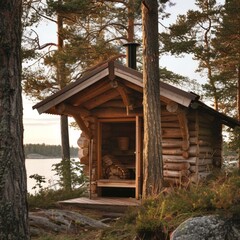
x: 158, y: 216
x: 48, y: 198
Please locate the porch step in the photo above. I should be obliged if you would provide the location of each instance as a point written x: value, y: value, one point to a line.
x: 114, y: 205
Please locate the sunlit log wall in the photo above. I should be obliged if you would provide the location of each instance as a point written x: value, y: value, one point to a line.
x: 84, y: 149
x: 204, y: 151
x: 191, y: 148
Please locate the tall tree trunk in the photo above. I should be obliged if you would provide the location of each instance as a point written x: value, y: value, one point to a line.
x: 238, y: 112
x: 152, y: 157
x: 13, y: 186
x: 61, y: 75
x: 130, y: 28
x: 66, y: 153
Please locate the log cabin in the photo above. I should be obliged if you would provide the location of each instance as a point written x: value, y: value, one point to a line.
x: 106, y: 103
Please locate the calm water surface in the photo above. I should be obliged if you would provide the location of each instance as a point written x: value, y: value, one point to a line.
x: 42, y: 167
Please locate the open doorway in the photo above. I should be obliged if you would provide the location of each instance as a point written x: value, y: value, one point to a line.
x: 117, y: 158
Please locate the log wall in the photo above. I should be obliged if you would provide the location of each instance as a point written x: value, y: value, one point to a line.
x: 191, y: 144
x: 203, y: 152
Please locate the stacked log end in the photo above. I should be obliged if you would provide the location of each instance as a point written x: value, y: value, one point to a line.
x: 203, y: 153
x: 84, y: 151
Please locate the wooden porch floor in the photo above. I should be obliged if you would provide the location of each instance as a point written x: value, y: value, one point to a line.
x: 102, y: 203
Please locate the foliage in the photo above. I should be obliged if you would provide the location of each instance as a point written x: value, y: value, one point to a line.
x: 78, y: 179
x: 39, y: 180
x: 165, y: 212
x: 48, y: 150
x: 48, y: 198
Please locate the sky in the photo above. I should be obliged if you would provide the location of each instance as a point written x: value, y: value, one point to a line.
x: 45, y: 128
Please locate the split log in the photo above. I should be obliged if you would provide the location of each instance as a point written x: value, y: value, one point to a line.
x: 172, y: 151
x: 170, y: 125
x: 195, y: 150
x: 178, y: 159
x: 84, y: 160
x: 201, y: 133
x: 172, y: 143
x: 168, y: 173
x: 176, y: 166
x: 82, y: 152
x: 169, y: 118
x: 83, y: 142
x: 171, y: 133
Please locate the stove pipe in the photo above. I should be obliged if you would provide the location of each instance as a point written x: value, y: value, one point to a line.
x: 132, y: 54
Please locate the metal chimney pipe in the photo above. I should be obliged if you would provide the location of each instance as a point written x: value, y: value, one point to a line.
x: 132, y: 54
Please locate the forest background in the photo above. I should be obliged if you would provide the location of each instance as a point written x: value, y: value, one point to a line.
x: 96, y: 32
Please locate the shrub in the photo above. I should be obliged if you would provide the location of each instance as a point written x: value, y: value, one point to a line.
x: 164, y: 213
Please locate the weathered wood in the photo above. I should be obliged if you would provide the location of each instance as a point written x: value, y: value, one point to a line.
x: 172, y: 143
x: 182, y: 118
x: 91, y: 92
x: 171, y: 133
x: 138, y: 158
x: 169, y: 158
x: 170, y: 125
x: 83, y: 152
x: 116, y: 183
x: 177, y: 166
x: 113, y: 103
x: 170, y: 118
x: 83, y: 126
x: 115, y: 113
x: 168, y: 173
x: 83, y: 142
x: 125, y: 97
x: 172, y: 107
x: 84, y: 160
x: 68, y: 109
x: 173, y: 180
x: 172, y: 151
x: 102, y: 98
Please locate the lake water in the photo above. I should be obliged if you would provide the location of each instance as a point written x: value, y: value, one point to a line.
x: 42, y: 167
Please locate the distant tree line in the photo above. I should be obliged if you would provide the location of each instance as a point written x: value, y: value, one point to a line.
x: 47, y: 150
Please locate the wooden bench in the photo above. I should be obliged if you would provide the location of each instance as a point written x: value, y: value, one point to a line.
x: 123, y: 183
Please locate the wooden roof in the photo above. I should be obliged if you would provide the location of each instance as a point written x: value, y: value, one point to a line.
x: 112, y: 84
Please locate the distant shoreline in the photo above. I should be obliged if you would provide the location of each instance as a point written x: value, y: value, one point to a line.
x: 40, y: 156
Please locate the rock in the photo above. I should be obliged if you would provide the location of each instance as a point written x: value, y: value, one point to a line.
x: 208, y: 227
x: 60, y: 221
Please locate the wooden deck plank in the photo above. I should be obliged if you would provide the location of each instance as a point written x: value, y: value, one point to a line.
x: 102, y: 203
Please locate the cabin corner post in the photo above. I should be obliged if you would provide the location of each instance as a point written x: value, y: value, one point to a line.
x: 99, y: 153
x: 217, y: 145
x: 138, y: 157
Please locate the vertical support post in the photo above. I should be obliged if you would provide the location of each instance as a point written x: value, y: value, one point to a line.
x: 90, y: 167
x: 138, y: 157
x: 99, y: 154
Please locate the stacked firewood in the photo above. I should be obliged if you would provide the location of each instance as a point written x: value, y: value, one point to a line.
x: 113, y: 169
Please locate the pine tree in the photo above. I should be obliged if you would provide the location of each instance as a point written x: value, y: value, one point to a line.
x: 152, y: 152
x: 193, y: 33
x: 13, y: 181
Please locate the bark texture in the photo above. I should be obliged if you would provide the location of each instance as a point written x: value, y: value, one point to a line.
x: 152, y: 158
x: 13, y: 187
